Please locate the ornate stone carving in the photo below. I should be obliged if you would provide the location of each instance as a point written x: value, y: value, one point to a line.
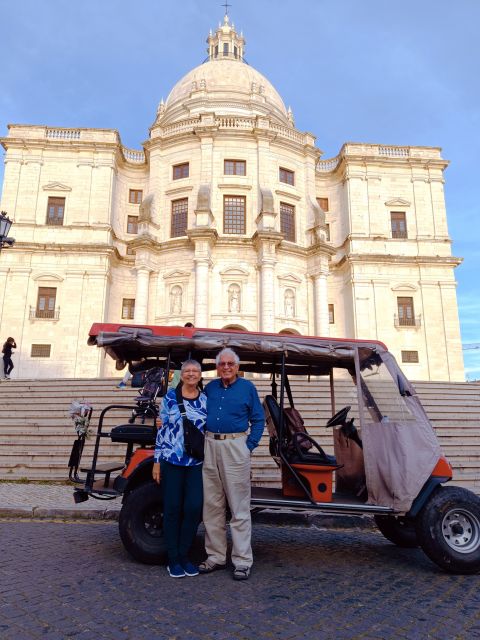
x: 176, y: 295
x: 289, y: 303
x: 234, y: 298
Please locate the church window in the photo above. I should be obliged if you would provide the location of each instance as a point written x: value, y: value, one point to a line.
x: 287, y: 176
x: 128, y: 308
x: 234, y: 214
x: 234, y: 167
x: 287, y: 221
x: 181, y: 171
x: 46, y: 299
x: 135, y: 196
x: 179, y: 218
x: 130, y: 251
x: 398, y: 221
x: 331, y: 314
x: 40, y: 351
x: 55, y: 211
x: 410, y: 356
x: 406, y: 317
x: 235, y: 52
x: 225, y: 48
x: 327, y: 232
x: 323, y: 203
x: 132, y: 224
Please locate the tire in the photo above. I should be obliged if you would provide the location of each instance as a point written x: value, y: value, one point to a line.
x: 448, y: 529
x: 400, y: 531
x: 141, y: 524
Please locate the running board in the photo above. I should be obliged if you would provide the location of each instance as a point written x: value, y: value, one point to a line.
x: 326, y: 507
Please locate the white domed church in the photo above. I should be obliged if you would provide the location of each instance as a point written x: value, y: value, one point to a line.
x: 228, y: 217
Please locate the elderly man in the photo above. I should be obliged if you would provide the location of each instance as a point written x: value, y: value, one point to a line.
x: 235, y: 422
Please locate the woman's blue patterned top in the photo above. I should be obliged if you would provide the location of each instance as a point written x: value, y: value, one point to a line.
x: 169, y: 445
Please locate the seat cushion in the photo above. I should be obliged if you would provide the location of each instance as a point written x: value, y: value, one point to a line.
x: 132, y: 433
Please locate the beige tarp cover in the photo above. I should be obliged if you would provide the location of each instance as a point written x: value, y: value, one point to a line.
x: 399, y: 457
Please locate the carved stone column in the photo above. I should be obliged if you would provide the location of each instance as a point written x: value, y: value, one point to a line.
x: 141, y: 296
x: 203, y: 241
x: 265, y: 243
x: 320, y: 296
x: 202, y: 277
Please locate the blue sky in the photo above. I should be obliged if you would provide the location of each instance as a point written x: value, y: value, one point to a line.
x: 374, y: 71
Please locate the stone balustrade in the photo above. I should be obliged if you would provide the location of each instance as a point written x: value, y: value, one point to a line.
x: 328, y: 165
x: 233, y: 122
x: 63, y: 134
x: 133, y: 155
x: 394, y: 152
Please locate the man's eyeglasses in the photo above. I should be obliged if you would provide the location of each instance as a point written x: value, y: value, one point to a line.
x: 227, y: 364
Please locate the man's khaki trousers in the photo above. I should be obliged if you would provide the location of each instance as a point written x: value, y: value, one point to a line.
x: 226, y: 474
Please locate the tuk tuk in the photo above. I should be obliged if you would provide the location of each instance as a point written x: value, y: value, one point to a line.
x: 385, y: 460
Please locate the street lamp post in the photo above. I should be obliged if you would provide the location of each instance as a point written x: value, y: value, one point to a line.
x: 5, y: 224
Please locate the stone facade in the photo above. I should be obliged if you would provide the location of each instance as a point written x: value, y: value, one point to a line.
x: 227, y: 218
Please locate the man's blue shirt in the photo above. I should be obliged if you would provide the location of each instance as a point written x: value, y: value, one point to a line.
x: 234, y: 409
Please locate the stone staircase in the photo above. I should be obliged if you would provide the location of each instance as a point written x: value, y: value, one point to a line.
x: 36, y: 433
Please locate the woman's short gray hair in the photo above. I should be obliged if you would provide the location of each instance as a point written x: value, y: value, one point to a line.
x: 191, y: 363
x: 225, y: 352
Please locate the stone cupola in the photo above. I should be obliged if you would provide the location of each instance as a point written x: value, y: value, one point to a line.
x: 226, y: 43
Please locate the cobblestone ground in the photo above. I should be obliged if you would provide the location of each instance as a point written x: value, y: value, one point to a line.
x: 61, y: 580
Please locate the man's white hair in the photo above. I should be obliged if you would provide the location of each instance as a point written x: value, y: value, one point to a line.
x: 225, y: 352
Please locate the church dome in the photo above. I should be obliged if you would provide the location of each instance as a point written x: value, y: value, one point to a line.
x: 225, y: 85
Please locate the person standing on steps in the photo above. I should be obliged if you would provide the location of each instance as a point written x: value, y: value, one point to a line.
x: 235, y: 422
x: 181, y: 475
x: 7, y: 357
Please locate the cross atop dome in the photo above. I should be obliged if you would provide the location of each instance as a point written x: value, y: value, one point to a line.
x: 225, y: 43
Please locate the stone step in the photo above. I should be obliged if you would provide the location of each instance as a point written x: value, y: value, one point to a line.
x: 37, y: 432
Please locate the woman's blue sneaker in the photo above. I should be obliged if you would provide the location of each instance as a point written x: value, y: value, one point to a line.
x: 190, y: 569
x: 176, y: 571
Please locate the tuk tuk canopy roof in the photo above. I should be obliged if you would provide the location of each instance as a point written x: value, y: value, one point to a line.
x: 257, y: 351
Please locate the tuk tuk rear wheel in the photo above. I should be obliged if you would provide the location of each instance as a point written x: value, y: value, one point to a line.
x: 141, y: 524
x: 400, y: 531
x: 448, y: 529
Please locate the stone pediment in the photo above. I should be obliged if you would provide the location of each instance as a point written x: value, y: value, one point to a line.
x: 48, y: 277
x: 234, y: 272
x: 398, y: 202
x: 290, y: 278
x: 176, y: 274
x: 56, y: 186
x: 404, y: 286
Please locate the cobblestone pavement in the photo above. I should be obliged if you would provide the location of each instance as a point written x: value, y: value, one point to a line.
x: 51, y: 500
x: 62, y: 580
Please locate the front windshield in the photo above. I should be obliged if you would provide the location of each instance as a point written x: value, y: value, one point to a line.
x: 381, y: 395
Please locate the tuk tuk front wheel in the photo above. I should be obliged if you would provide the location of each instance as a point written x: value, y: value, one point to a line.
x: 400, y: 531
x: 448, y: 529
x: 141, y: 524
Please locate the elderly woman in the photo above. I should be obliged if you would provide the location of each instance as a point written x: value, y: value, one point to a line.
x: 181, y: 474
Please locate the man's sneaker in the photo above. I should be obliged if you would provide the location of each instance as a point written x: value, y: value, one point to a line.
x: 121, y: 385
x: 175, y: 571
x: 190, y: 569
x: 7, y: 377
x: 241, y: 573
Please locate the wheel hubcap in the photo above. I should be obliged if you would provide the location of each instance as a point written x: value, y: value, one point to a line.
x: 153, y: 522
x: 461, y: 530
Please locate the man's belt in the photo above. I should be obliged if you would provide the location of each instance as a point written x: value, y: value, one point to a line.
x: 224, y: 436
